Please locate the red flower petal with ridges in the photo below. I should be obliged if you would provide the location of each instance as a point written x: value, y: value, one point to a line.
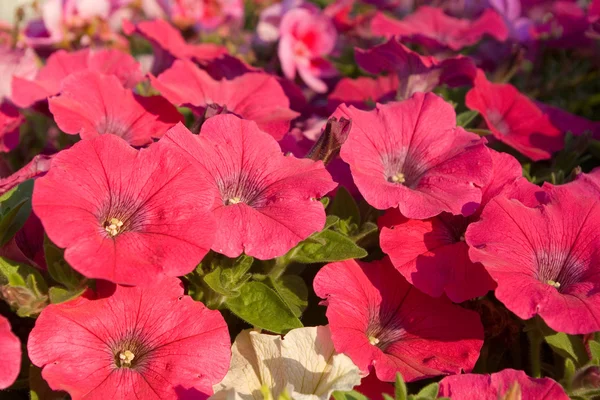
x: 377, y: 318
x: 432, y: 28
x: 264, y: 202
x: 62, y: 64
x: 147, y: 343
x: 10, y: 348
x: 544, y: 258
x: 363, y: 92
x: 92, y: 104
x: 514, y: 119
x: 254, y: 96
x: 125, y: 215
x: 496, y: 386
x: 412, y: 156
x: 432, y: 254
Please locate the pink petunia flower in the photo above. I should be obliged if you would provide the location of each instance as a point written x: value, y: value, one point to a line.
x: 497, y: 386
x: 416, y: 73
x: 92, y: 104
x: 544, y: 257
x: 61, y: 64
x: 125, y: 215
x: 10, y: 121
x: 514, y: 119
x: 168, y: 44
x: 435, y: 30
x: 206, y: 15
x: 377, y: 318
x: 264, y: 202
x: 15, y: 63
x: 131, y: 342
x: 267, y: 29
x: 432, y: 254
x: 254, y: 96
x: 411, y: 155
x: 306, y: 37
x: 10, y: 348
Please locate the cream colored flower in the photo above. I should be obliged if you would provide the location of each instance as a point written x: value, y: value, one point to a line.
x: 303, y: 365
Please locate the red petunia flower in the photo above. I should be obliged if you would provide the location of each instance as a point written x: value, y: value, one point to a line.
x: 514, y: 119
x: 377, y: 318
x: 497, y: 386
x: 62, y: 64
x: 10, y: 348
x: 92, y: 104
x: 363, y: 92
x: 10, y: 121
x: 125, y: 215
x: 435, y: 30
x: 131, y: 342
x: 264, y: 202
x: 432, y: 254
x: 254, y: 96
x: 545, y: 257
x: 416, y: 73
x: 412, y: 156
x: 168, y: 45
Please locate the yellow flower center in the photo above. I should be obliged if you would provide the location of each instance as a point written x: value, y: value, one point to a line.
x: 234, y: 200
x: 554, y: 284
x: 113, y: 226
x: 126, y: 358
x: 373, y: 340
x: 398, y: 178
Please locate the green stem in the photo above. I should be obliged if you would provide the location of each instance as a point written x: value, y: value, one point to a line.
x: 535, y: 347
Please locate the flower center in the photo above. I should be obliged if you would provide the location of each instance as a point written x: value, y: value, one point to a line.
x: 397, y: 178
x: 125, y: 359
x: 233, y: 200
x: 553, y: 283
x: 373, y: 340
x: 113, y: 226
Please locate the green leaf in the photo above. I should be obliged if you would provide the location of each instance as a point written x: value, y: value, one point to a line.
x: 567, y: 346
x: 59, y: 294
x: 352, y: 395
x: 217, y: 281
x: 594, y: 351
x: 569, y: 373
x: 401, y: 393
x: 60, y: 271
x: 228, y: 274
x: 292, y: 289
x: 326, y: 246
x: 15, y: 208
x: 430, y: 391
x: 344, y: 206
x: 465, y: 118
x: 324, y: 201
x: 259, y: 305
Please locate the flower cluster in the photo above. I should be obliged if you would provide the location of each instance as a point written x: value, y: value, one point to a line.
x: 300, y: 199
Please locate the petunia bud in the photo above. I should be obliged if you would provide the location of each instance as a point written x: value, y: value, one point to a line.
x: 331, y: 140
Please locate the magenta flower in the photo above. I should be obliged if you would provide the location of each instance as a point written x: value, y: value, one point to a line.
x: 206, y: 15
x: 567, y: 122
x: 432, y: 254
x: 306, y: 37
x: 10, y: 121
x: 416, y: 73
x: 15, y: 63
x: 496, y: 386
x: 411, y: 155
x: 168, y: 45
x: 545, y: 257
x: 10, y: 348
x: 131, y: 342
x: 377, y: 318
x: 92, y: 104
x: 125, y: 215
x: 254, y: 96
x: 264, y: 202
x: 432, y: 28
x: 514, y: 119
x: 62, y: 64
